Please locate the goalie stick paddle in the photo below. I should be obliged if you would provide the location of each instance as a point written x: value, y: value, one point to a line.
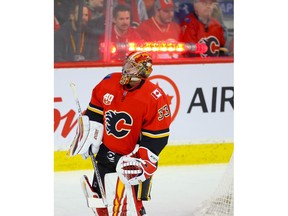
x: 96, y: 170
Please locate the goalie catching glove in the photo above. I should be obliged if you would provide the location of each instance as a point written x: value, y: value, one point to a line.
x: 133, y: 170
x: 88, y: 137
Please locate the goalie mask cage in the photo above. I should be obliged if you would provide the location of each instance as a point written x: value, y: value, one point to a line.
x: 221, y: 203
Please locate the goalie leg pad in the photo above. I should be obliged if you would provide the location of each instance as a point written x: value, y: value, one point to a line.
x: 120, y: 197
x: 92, y: 198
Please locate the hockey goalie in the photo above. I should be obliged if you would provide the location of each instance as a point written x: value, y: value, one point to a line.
x: 123, y: 130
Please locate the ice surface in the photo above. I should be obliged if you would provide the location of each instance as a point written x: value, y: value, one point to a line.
x: 176, y: 190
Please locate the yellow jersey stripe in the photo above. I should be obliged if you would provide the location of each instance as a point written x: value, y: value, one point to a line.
x: 95, y: 110
x: 156, y: 135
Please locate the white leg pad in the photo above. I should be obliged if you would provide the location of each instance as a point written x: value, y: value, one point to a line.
x: 120, y: 198
x: 92, y: 198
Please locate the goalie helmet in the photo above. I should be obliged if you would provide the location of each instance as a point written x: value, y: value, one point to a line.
x: 137, y: 66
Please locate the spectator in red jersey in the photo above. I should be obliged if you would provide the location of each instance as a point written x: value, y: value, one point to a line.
x: 200, y: 27
x: 160, y: 27
x: 122, y: 32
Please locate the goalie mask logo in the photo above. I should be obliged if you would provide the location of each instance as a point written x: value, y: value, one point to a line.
x: 213, y: 45
x: 118, y: 124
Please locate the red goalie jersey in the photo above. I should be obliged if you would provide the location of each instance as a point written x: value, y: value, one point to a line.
x: 130, y: 116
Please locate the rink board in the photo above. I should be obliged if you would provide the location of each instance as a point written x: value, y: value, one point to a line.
x: 171, y: 155
x: 202, y: 107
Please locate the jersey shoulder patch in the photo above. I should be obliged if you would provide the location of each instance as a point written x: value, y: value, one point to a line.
x: 156, y: 94
x: 154, y: 90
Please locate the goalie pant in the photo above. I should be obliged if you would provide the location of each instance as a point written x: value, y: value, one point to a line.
x: 107, y: 161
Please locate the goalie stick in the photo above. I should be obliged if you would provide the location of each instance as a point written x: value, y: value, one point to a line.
x: 96, y: 170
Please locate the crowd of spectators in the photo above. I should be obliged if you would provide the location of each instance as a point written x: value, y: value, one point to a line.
x: 187, y: 21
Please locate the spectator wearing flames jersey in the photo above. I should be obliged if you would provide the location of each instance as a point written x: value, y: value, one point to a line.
x: 122, y: 31
x: 200, y: 27
x: 127, y: 109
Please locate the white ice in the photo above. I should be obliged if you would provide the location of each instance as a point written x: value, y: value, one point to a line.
x: 176, y: 190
